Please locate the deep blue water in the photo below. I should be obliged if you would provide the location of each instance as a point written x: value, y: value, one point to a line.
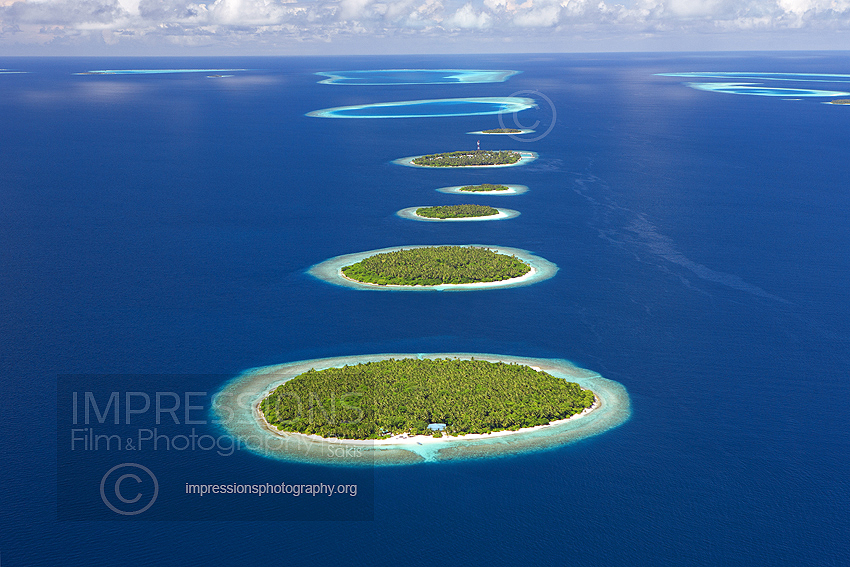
x: 163, y: 224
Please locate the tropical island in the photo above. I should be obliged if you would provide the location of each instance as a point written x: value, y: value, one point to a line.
x: 414, y: 396
x: 436, y: 265
x: 484, y: 187
x: 840, y: 101
x: 456, y: 211
x: 467, y: 158
x: 502, y: 131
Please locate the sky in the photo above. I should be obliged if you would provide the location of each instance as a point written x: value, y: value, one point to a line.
x: 334, y: 27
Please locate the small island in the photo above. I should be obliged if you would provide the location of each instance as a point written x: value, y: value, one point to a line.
x: 436, y: 265
x: 456, y: 211
x: 484, y: 187
x: 502, y: 131
x: 413, y: 396
x: 840, y: 101
x: 467, y: 158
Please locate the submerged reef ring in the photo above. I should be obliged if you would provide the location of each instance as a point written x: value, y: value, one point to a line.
x: 154, y: 71
x: 758, y: 90
x: 331, y: 271
x: 759, y: 76
x: 428, y: 108
x: 236, y: 406
x: 524, y: 159
x: 512, y: 190
x: 503, y: 214
x: 378, y: 77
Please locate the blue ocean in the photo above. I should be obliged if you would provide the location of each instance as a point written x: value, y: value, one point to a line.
x: 156, y: 233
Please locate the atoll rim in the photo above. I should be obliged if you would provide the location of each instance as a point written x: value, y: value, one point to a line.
x: 429, y: 108
x: 330, y: 271
x: 759, y: 90
x: 236, y: 408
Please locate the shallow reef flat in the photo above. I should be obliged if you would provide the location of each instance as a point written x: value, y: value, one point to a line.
x: 236, y: 406
x: 759, y: 90
x: 379, y: 77
x: 761, y: 76
x: 429, y: 108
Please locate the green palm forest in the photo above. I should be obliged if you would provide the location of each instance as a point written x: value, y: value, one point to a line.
x: 436, y: 265
x: 377, y: 399
x: 484, y: 187
x: 469, y: 157
x: 456, y: 211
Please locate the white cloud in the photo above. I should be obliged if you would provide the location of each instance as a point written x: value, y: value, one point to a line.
x: 234, y: 22
x: 467, y: 18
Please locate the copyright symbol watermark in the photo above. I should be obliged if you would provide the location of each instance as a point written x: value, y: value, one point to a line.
x: 532, y: 127
x: 129, y: 489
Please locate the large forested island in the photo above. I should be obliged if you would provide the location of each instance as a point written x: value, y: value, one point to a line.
x: 469, y: 158
x: 484, y: 187
x: 375, y: 400
x: 436, y: 265
x: 456, y: 211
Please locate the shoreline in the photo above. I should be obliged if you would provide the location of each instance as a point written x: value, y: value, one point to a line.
x: 331, y: 271
x: 503, y: 214
x: 236, y: 405
x: 525, y: 157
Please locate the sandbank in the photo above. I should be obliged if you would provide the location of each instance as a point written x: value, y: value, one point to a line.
x: 511, y: 190
x: 524, y: 159
x: 428, y: 108
x: 331, y: 271
x: 237, y: 407
x: 503, y: 214
x: 382, y: 77
x: 521, y: 131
